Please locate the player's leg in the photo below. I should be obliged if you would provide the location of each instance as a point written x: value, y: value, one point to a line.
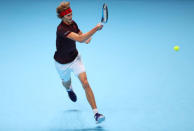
x: 65, y: 75
x: 67, y: 84
x: 79, y: 70
x: 89, y: 93
x: 90, y: 97
x: 69, y: 90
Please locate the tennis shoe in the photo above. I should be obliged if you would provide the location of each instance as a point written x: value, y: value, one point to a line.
x: 99, y: 118
x: 72, y: 95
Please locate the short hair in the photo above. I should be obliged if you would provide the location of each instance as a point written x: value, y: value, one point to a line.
x: 62, y: 7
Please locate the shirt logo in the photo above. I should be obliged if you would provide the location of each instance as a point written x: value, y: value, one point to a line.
x: 66, y: 32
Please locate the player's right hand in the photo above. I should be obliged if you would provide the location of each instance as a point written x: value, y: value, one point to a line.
x: 99, y: 26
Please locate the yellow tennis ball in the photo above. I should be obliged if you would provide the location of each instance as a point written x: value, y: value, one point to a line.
x: 176, y: 48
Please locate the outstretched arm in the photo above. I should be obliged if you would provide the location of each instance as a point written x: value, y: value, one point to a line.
x: 83, y: 37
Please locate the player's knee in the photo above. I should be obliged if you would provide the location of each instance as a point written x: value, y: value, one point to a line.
x: 85, y: 84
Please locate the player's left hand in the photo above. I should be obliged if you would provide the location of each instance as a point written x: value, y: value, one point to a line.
x: 88, y: 40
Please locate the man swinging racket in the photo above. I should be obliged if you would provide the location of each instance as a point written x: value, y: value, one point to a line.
x: 67, y: 58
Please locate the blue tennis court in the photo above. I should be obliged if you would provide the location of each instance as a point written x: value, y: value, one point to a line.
x: 140, y: 83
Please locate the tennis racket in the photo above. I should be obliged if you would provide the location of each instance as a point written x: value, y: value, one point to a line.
x: 104, y: 14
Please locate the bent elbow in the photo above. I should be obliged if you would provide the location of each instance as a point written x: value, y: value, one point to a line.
x: 81, y: 40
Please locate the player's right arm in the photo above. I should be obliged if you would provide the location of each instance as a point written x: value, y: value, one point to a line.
x: 83, y: 37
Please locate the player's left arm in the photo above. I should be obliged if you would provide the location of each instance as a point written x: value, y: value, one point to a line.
x: 88, y: 40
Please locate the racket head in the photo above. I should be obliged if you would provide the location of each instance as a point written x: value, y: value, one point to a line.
x: 104, y: 13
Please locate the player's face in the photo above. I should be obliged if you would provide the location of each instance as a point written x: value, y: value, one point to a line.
x: 68, y: 18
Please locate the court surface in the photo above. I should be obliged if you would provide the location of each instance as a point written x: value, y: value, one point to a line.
x: 139, y: 81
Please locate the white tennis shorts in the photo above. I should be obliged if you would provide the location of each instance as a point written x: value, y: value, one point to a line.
x: 65, y: 70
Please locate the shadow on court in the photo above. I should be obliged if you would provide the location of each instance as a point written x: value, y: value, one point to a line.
x: 98, y: 128
x: 75, y: 120
x: 72, y: 110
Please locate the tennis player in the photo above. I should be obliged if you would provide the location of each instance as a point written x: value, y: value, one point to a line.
x: 67, y: 58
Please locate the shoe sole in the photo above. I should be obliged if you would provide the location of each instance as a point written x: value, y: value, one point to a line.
x: 101, y: 119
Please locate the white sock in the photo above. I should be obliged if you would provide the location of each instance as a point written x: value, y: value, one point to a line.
x: 70, y: 88
x: 95, y: 111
